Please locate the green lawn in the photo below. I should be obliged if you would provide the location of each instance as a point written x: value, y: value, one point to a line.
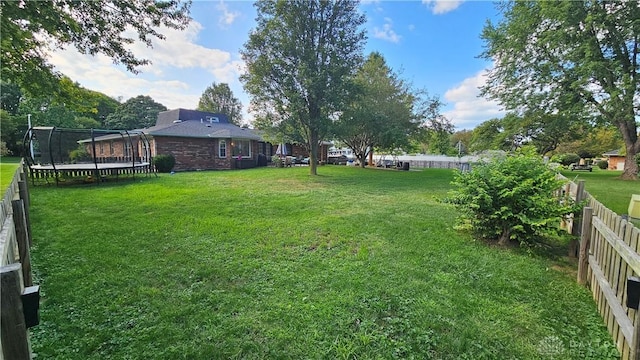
x: 607, y: 188
x: 274, y: 264
x: 8, y: 166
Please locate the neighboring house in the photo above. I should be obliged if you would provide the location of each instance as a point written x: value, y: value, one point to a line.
x: 200, y: 140
x: 616, y: 161
x: 204, y: 141
x: 125, y: 146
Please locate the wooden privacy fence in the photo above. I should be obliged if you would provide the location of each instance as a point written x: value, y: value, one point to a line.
x: 18, y: 297
x: 607, y: 263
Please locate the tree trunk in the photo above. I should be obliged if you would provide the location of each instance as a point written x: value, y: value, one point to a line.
x: 313, y: 156
x: 630, y: 164
x: 504, y: 237
x: 630, y: 169
x: 632, y: 147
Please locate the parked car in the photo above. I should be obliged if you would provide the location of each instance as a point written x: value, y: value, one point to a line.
x: 337, y: 160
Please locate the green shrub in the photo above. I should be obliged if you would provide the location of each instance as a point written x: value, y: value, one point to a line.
x: 79, y: 154
x: 603, y: 164
x: 510, y: 199
x: 276, y: 161
x: 164, y: 163
x: 566, y: 159
x: 586, y: 154
x: 4, y: 151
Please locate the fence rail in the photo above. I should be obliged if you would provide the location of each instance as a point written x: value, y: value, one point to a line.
x: 15, y: 269
x: 608, y: 258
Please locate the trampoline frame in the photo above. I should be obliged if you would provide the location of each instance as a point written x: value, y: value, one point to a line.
x: 96, y: 168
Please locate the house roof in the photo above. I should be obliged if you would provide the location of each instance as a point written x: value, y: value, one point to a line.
x: 111, y: 135
x: 170, y: 116
x: 198, y: 124
x: 612, y: 153
x: 204, y: 130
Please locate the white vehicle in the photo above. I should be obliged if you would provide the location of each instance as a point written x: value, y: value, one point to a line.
x: 341, y: 156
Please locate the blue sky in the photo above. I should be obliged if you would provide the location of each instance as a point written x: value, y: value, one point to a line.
x: 432, y: 43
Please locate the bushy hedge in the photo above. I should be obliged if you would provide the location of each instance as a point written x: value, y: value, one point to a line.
x: 80, y: 154
x: 603, y: 164
x: 510, y: 199
x: 4, y: 151
x: 566, y: 159
x: 164, y: 163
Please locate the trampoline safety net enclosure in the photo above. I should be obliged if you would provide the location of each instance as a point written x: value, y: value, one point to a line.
x: 85, y: 155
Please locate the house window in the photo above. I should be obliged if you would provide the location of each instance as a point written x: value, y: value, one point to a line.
x: 241, y: 148
x: 112, y: 150
x: 222, y: 149
x: 101, y: 148
x: 212, y: 119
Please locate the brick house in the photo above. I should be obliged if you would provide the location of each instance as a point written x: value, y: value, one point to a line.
x: 123, y: 146
x: 204, y: 141
x: 200, y: 140
x: 616, y: 161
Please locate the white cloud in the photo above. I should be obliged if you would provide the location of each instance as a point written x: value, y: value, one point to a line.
x: 468, y: 108
x: 180, y: 50
x: 226, y: 17
x: 386, y: 33
x: 165, y: 80
x: 442, y: 6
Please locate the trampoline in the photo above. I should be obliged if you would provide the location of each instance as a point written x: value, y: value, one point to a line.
x: 86, y: 155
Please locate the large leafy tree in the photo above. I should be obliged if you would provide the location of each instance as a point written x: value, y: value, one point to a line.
x: 135, y: 113
x: 13, y: 129
x: 381, y: 112
x: 461, y: 141
x: 437, y: 130
x: 488, y: 136
x: 72, y: 106
x: 219, y: 98
x: 70, y: 102
x: 300, y: 58
x: 572, y: 59
x: 594, y: 140
x: 545, y: 131
x: 10, y: 97
x: 30, y: 28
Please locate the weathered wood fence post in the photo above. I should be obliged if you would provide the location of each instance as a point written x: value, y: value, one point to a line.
x: 580, y: 196
x: 585, y: 239
x: 576, y: 220
x: 22, y: 238
x: 635, y: 341
x: 23, y: 188
x: 19, y: 300
x: 15, y: 341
